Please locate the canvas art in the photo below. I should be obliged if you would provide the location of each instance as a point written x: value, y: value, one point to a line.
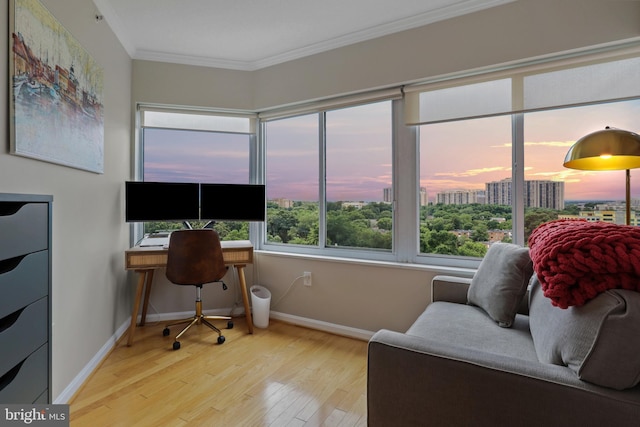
x: 56, y: 104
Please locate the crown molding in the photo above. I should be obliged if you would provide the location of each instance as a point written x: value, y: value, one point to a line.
x: 461, y: 8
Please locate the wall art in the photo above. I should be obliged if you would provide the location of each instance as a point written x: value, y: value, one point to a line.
x: 56, y: 87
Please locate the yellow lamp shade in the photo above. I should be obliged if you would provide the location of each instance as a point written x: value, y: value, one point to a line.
x: 608, y: 149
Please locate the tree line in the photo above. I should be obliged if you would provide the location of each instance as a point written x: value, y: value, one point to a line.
x: 370, y: 226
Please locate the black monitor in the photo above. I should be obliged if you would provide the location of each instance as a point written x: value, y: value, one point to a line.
x: 161, y: 201
x: 232, y: 202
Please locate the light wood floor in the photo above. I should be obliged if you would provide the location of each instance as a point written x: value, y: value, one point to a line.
x: 284, y: 375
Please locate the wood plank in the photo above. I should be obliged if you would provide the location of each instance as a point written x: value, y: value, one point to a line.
x: 279, y: 376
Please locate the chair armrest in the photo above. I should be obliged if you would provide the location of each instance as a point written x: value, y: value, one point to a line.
x: 450, y: 289
x: 414, y: 381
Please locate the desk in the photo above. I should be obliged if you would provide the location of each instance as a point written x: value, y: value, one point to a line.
x: 146, y: 260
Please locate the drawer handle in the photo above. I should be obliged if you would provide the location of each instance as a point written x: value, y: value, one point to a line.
x: 7, y: 321
x: 6, y: 379
x: 10, y: 264
x: 10, y: 208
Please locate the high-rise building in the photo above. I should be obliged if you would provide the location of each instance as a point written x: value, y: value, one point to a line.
x: 544, y: 194
x: 537, y: 193
x: 498, y: 192
x: 387, y: 195
x: 458, y: 197
x: 424, y: 197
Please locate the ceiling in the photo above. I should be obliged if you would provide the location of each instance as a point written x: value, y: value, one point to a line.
x: 253, y: 34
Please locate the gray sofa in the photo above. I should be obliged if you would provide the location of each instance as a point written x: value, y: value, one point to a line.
x: 456, y: 365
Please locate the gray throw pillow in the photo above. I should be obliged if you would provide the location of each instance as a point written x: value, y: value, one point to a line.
x: 598, y: 341
x: 501, y: 282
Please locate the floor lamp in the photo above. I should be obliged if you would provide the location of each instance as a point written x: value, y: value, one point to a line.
x: 607, y: 150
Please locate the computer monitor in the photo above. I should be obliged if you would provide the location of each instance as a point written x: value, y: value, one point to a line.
x: 161, y: 201
x: 232, y: 202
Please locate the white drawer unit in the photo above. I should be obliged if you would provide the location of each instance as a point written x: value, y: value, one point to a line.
x: 25, y: 298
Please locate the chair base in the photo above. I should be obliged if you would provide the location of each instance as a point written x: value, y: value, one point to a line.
x: 197, y: 320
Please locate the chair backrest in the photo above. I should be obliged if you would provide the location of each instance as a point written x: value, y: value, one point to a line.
x: 195, y: 257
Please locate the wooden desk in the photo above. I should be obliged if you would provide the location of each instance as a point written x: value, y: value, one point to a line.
x: 146, y: 260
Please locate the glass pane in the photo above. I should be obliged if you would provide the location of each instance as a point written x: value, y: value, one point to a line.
x: 358, y: 175
x: 196, y: 156
x: 593, y: 195
x: 292, y: 180
x: 459, y: 162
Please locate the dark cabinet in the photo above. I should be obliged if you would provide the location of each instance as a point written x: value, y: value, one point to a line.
x: 25, y: 298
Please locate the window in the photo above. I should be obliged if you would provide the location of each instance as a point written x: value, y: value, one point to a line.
x: 461, y: 165
x: 328, y: 177
x: 358, y: 176
x: 591, y: 195
x: 519, y: 127
x: 187, y: 146
x: 292, y: 180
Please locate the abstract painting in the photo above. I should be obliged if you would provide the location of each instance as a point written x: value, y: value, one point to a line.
x: 56, y: 87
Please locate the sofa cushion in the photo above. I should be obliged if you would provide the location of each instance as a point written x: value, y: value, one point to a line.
x: 501, y: 281
x: 598, y: 341
x: 469, y: 327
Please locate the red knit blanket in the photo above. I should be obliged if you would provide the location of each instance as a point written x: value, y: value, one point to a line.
x: 576, y: 260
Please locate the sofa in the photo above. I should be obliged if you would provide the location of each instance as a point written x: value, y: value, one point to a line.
x: 496, y: 350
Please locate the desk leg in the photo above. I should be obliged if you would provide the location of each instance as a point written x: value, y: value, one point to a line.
x: 147, y: 292
x: 136, y: 305
x: 245, y: 297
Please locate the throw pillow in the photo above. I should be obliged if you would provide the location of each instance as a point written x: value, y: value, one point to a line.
x: 598, y: 340
x: 501, y: 282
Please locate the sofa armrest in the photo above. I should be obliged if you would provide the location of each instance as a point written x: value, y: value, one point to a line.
x: 412, y: 381
x: 450, y: 289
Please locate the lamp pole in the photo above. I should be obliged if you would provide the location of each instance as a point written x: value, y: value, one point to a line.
x: 628, y: 197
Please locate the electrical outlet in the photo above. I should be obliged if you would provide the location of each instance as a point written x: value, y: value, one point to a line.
x: 307, y: 278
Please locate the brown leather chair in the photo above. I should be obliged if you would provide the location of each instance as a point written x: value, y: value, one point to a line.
x: 195, y: 258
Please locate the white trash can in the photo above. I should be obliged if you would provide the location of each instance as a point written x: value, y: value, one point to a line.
x: 260, y: 302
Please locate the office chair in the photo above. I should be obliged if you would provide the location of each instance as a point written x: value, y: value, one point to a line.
x: 195, y: 258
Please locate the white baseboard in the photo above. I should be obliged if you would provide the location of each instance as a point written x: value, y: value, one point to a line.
x: 85, y: 373
x: 76, y: 383
x: 320, y: 325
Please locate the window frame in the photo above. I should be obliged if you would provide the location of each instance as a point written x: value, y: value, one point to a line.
x: 137, y: 228
x: 321, y: 249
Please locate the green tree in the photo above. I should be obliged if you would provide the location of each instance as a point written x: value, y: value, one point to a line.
x: 480, y: 233
x: 385, y: 223
x: 533, y: 217
x: 279, y: 222
x: 442, y: 242
x: 472, y: 249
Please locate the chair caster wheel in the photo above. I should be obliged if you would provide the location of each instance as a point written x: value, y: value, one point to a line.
x: 229, y: 324
x: 165, y: 332
x: 220, y: 339
x: 176, y: 345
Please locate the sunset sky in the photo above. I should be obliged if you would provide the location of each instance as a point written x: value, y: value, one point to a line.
x: 454, y: 155
x: 484, y: 147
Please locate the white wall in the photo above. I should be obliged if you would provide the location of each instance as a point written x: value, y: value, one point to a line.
x: 90, y: 293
